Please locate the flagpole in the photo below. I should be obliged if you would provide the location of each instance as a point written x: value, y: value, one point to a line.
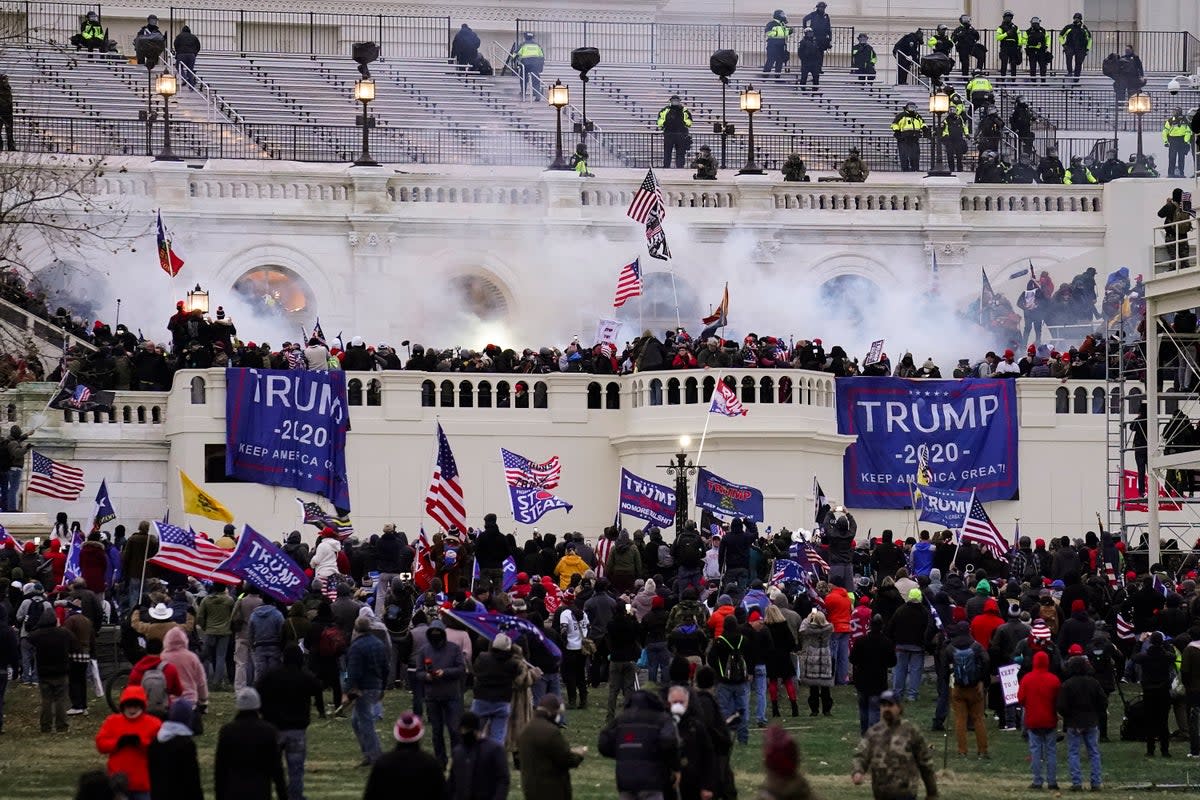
x: 675, y: 294
x: 700, y: 449
x: 912, y: 496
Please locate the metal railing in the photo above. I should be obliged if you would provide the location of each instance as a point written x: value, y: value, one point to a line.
x: 1094, y: 109
x: 423, y: 145
x: 1160, y: 51
x: 42, y: 22
x: 312, y: 33
x: 667, y: 44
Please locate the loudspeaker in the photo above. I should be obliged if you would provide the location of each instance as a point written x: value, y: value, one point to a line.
x: 723, y: 63
x: 584, y: 59
x: 364, y: 53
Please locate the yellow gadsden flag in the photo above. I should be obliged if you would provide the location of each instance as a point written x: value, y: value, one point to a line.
x: 201, y: 503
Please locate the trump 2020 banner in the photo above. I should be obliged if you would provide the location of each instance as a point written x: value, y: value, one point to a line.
x: 943, y: 506
x: 964, y: 431
x: 727, y: 499
x: 261, y: 564
x: 647, y: 500
x: 288, y: 428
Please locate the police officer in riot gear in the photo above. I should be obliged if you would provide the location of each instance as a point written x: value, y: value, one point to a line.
x: 1008, y: 36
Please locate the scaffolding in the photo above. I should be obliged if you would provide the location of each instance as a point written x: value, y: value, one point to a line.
x: 1153, y: 410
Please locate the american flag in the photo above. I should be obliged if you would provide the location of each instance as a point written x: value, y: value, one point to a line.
x: 629, y: 283
x: 185, y: 552
x: 521, y: 472
x: 815, y: 559
x: 1110, y: 575
x: 295, y: 358
x: 312, y: 514
x: 1124, y: 629
x: 6, y: 538
x: 725, y: 401
x: 444, y: 501
x: 656, y: 238
x: 603, y: 548
x: 54, y: 479
x: 648, y: 198
x: 979, y: 528
x: 787, y: 570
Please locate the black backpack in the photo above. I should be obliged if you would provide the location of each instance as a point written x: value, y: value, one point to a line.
x: 690, y: 551
x: 1111, y: 65
x: 736, y: 671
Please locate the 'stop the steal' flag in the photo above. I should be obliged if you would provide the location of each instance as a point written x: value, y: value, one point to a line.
x: 646, y: 500
x: 726, y: 498
x: 260, y: 563
x: 531, y: 504
x: 969, y: 427
x: 488, y: 625
x: 288, y: 428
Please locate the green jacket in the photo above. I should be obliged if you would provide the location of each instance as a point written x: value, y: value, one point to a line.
x: 896, y: 757
x: 546, y: 760
x: 624, y: 560
x: 215, y: 614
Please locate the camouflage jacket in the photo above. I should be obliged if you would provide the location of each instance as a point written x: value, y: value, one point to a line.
x: 897, y: 759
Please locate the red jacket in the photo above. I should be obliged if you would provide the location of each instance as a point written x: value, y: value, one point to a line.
x: 1038, y: 693
x: 93, y: 566
x: 986, y: 623
x: 170, y: 674
x: 837, y: 609
x: 129, y: 759
x: 58, y: 561
x: 716, y: 620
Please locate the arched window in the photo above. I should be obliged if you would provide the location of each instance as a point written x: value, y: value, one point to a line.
x: 155, y: 415
x: 126, y: 414
x: 485, y: 394
x: 1097, y: 400
x: 141, y: 415
x: 710, y: 384
x: 691, y: 392
x: 1062, y: 400
x: 785, y: 390
x: 593, y: 395
x: 612, y: 396
x: 522, y: 391
x: 748, y: 389
x: 656, y: 395
x: 540, y: 397
x: 673, y: 392
x: 277, y: 292
x: 447, y: 400
x: 354, y: 392
x: 1081, y: 400
x: 427, y: 394
x: 198, y: 392
x: 466, y: 394
x: 766, y: 391
x: 11, y: 412
x: 503, y: 399
x: 375, y: 392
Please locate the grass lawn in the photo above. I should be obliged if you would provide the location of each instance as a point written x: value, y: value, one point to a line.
x: 34, y: 766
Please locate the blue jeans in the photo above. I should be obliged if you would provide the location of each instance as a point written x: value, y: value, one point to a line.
x: 839, y: 653
x: 868, y: 711
x: 362, y: 721
x: 29, y: 672
x: 266, y: 658
x: 494, y: 714
x: 549, y: 683
x: 660, y: 662
x: 294, y: 744
x: 943, y: 702
x: 906, y: 676
x: 1090, y: 737
x: 444, y: 716
x: 1043, y: 748
x: 734, y: 698
x: 760, y: 693
x: 12, y: 501
x: 216, y: 655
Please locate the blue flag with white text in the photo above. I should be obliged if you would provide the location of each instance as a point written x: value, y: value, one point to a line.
x: 488, y: 625
x: 964, y: 432
x: 646, y: 500
x: 530, y: 505
x: 261, y: 563
x: 105, y: 513
x: 72, y: 570
x: 288, y: 428
x: 947, y: 507
x: 509, y: 568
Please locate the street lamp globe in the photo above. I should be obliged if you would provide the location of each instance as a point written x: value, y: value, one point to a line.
x: 685, y: 441
x: 166, y: 85
x: 364, y: 90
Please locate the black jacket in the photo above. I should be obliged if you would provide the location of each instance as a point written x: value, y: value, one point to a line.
x: 1081, y: 698
x: 643, y: 741
x: 908, y: 45
x: 186, y: 43
x: 174, y: 770
x: 495, y: 673
x: 907, y: 626
x: 1079, y: 629
x: 247, y: 763
x: 479, y: 771
x: 387, y: 553
x: 1156, y: 665
x: 411, y: 767
x: 872, y: 657
x: 624, y: 638
x: 491, y: 548
x: 287, y: 693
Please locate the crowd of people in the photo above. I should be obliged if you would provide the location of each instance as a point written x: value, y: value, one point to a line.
x: 725, y: 636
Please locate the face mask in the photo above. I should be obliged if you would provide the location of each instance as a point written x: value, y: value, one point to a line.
x: 678, y: 709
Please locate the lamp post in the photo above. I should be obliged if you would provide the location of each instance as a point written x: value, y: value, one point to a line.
x: 939, y: 106
x: 197, y: 300
x: 723, y: 63
x: 558, y: 96
x: 583, y: 60
x: 1139, y: 106
x: 166, y: 87
x: 364, y: 92
x: 750, y: 101
x: 681, y: 468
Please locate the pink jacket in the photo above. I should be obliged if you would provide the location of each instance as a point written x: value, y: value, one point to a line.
x: 187, y: 664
